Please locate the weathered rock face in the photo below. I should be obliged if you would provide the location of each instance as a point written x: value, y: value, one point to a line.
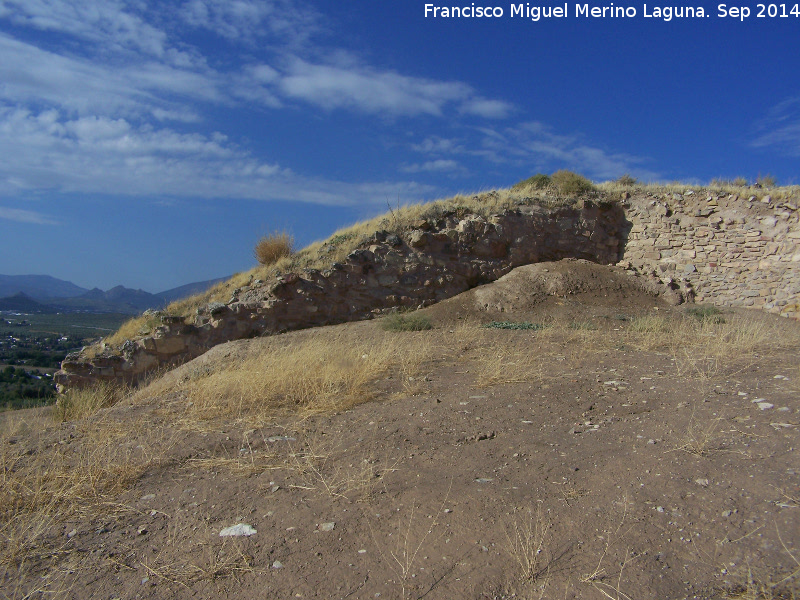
x: 726, y: 251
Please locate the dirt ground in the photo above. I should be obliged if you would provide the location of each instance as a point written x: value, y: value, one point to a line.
x: 617, y: 448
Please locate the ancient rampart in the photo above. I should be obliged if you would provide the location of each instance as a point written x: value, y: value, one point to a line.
x: 721, y: 249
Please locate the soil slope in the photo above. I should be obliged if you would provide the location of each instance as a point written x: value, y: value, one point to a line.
x: 611, y: 446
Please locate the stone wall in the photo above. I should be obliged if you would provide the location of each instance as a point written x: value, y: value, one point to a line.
x: 722, y: 250
x: 731, y: 251
x: 437, y: 259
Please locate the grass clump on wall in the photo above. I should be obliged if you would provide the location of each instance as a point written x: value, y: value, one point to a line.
x: 273, y: 247
x: 570, y: 183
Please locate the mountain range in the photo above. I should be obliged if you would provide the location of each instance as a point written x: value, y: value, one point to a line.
x: 43, y: 293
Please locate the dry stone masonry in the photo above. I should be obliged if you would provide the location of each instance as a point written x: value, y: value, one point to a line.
x: 730, y: 251
x: 722, y: 250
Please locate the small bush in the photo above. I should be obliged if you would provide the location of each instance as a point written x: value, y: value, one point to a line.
x: 740, y: 182
x: 627, y: 180
x: 571, y: 183
x: 710, y: 314
x: 271, y: 248
x: 537, y: 182
x: 767, y: 181
x: 410, y: 322
x: 512, y: 325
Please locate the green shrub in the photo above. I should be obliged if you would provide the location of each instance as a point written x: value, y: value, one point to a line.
x: 513, y: 325
x: 570, y: 183
x: 538, y: 182
x: 710, y: 314
x: 271, y: 248
x: 740, y: 182
x: 627, y: 180
x: 406, y: 322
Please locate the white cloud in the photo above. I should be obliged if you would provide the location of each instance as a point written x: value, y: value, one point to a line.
x: 106, y: 22
x: 30, y: 75
x: 535, y: 147
x: 433, y: 166
x: 367, y: 89
x: 781, y: 128
x: 94, y: 155
x: 239, y: 20
x: 25, y: 216
x: 438, y: 145
x: 489, y: 109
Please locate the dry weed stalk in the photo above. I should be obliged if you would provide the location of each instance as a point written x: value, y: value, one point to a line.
x: 526, y: 543
x: 327, y: 467
x: 407, y: 549
x: 597, y: 577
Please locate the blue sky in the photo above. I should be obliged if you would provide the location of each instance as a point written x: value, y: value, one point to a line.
x: 150, y: 144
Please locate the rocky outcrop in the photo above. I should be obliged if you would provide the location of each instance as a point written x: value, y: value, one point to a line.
x: 724, y: 250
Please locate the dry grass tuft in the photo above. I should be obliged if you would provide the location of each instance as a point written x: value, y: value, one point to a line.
x: 527, y: 544
x: 273, y: 247
x: 78, y: 403
x: 320, y: 372
x: 43, y: 483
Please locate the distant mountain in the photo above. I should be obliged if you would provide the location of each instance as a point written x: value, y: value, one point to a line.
x: 190, y: 289
x: 23, y: 303
x: 42, y: 293
x: 39, y: 287
x: 118, y: 299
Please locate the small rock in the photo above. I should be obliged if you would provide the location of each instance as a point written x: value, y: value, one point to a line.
x: 142, y: 530
x: 660, y: 509
x: 240, y: 530
x: 327, y: 526
x: 277, y: 565
x: 765, y: 405
x: 362, y: 551
x: 702, y: 482
x: 148, y: 497
x: 72, y: 533
x: 484, y: 480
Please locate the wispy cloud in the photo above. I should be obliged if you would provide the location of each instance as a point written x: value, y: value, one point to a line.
x: 363, y: 88
x: 250, y: 19
x: 25, y: 216
x: 780, y: 129
x: 536, y: 147
x: 119, y: 101
x: 48, y: 151
x: 34, y: 76
x: 434, y: 166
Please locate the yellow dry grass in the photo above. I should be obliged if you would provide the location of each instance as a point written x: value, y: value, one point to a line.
x: 322, y: 371
x: 43, y: 483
